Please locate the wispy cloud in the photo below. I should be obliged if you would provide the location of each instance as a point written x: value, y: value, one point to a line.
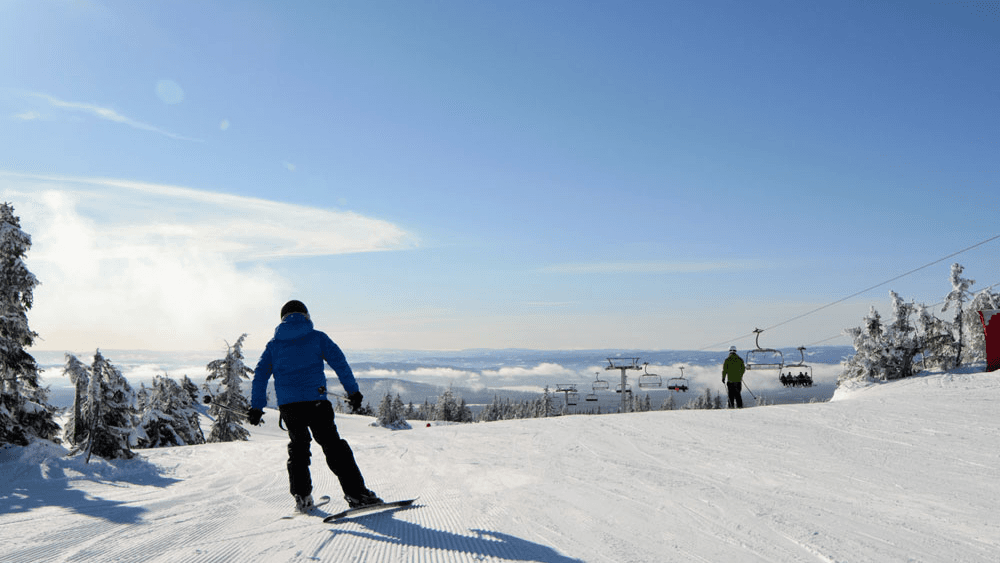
x: 107, y: 114
x: 147, y: 265
x: 28, y: 116
x: 652, y: 267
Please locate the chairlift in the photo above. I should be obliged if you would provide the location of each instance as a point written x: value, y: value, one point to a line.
x: 600, y: 384
x: 618, y: 388
x: 591, y: 397
x: 569, y: 392
x: 678, y: 383
x: 764, y: 358
x: 804, y: 377
x: 649, y: 379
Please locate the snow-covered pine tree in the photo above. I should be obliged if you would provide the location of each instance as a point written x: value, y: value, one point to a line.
x: 24, y: 408
x: 545, y: 406
x: 957, y: 297
x: 191, y: 388
x: 169, y: 417
x: 390, y: 413
x: 901, y: 339
x: 669, y: 403
x: 869, y: 360
x: 936, y: 340
x: 111, y: 412
x: 79, y: 376
x: 426, y: 411
x: 446, y: 408
x: 229, y: 405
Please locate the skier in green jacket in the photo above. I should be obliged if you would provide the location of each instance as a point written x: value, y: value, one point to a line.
x: 732, y: 376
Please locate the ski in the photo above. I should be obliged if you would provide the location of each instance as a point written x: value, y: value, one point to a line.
x: 370, y: 509
x: 313, y: 511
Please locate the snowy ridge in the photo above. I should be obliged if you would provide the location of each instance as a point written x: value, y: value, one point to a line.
x: 906, y: 471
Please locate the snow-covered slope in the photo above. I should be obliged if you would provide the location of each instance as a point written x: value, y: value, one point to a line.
x: 907, y: 471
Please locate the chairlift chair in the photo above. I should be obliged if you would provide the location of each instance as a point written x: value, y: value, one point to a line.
x: 804, y: 377
x: 649, y: 379
x: 600, y: 384
x: 763, y: 358
x: 618, y: 388
x: 591, y: 397
x: 678, y: 383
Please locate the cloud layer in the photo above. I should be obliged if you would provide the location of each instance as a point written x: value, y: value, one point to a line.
x: 135, y: 265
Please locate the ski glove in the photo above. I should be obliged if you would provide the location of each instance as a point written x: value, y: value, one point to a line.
x: 254, y: 415
x: 355, y: 399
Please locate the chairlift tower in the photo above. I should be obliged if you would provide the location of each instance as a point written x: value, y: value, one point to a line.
x: 623, y: 364
x: 570, y: 393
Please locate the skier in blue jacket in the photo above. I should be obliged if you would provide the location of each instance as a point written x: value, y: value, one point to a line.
x: 295, y: 357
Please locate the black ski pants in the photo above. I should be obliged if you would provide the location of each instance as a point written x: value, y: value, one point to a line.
x: 735, y: 393
x: 314, y: 419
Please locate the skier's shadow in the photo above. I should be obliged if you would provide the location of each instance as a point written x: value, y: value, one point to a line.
x: 482, y: 544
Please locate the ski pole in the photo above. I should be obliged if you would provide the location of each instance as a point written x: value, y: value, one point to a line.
x: 208, y: 401
x: 749, y: 391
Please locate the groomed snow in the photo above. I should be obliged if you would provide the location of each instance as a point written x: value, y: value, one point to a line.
x: 906, y: 471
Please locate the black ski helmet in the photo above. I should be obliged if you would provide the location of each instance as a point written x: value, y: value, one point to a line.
x: 294, y: 306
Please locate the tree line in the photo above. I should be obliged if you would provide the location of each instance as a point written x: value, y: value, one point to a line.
x: 914, y: 339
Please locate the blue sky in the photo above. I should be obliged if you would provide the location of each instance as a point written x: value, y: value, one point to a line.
x: 446, y: 175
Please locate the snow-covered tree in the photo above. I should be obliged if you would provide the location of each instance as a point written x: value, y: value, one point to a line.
x: 191, y: 388
x: 79, y: 376
x: 869, y: 360
x: 229, y: 405
x: 706, y: 401
x: 24, y: 408
x: 169, y: 416
x: 391, y: 413
x: 936, y: 340
x: 544, y: 406
x: 447, y: 408
x: 111, y: 410
x: 956, y: 298
x: 901, y: 339
x: 669, y: 403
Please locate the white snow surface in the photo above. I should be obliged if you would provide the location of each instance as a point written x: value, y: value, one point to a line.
x: 903, y: 471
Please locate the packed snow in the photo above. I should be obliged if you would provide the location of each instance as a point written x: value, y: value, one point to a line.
x: 902, y: 471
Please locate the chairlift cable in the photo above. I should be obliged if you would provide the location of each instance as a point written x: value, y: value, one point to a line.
x: 930, y: 306
x: 841, y: 300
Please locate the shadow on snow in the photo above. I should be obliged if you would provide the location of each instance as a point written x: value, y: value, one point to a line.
x: 41, y: 475
x: 482, y: 544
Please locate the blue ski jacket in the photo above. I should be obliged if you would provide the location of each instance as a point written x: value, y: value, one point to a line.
x: 295, y: 357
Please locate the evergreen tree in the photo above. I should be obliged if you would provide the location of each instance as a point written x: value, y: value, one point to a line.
x: 669, y: 403
x: 79, y: 376
x: 229, y: 405
x: 426, y: 411
x: 191, y: 388
x: 24, y: 408
x: 936, y: 339
x: 957, y: 298
x: 901, y: 340
x: 544, y: 406
x: 111, y: 410
x: 169, y: 417
x: 447, y: 408
x: 390, y: 413
x: 869, y: 360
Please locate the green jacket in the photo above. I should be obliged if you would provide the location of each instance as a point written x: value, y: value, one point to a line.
x: 733, y: 368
